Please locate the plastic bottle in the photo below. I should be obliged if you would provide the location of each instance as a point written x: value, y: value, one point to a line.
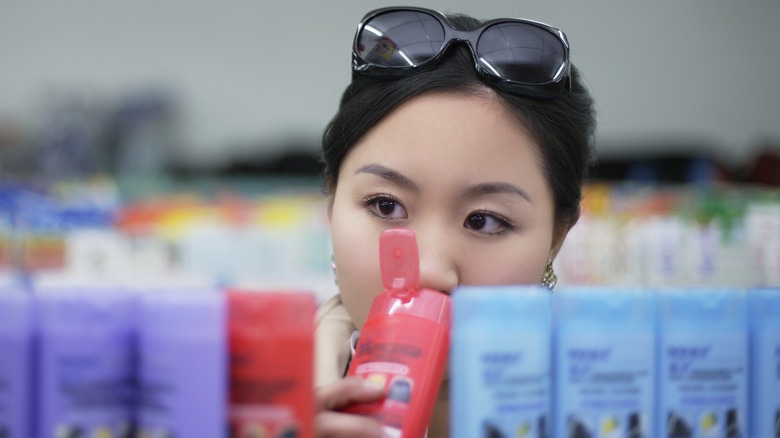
x: 271, y: 341
x: 500, y: 371
x: 404, y: 344
x: 182, y: 370
x: 703, y: 363
x: 764, y: 305
x: 85, y: 362
x: 16, y: 367
x: 605, y: 362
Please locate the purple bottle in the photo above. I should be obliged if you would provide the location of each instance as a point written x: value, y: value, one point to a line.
x: 182, y: 374
x: 15, y: 363
x: 85, y: 363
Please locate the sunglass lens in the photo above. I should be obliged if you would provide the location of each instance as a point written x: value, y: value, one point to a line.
x: 521, y: 52
x: 400, y: 39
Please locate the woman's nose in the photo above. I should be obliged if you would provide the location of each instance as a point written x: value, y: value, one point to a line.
x: 438, y: 267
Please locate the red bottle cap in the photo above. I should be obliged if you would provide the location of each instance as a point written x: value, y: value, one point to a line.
x: 399, y: 262
x: 400, y: 265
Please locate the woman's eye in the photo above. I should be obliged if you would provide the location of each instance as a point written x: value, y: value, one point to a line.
x: 488, y: 223
x: 385, y: 207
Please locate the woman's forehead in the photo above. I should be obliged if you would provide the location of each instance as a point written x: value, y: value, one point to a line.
x: 451, y: 135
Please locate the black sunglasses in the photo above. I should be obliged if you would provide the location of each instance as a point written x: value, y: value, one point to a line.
x: 522, y: 56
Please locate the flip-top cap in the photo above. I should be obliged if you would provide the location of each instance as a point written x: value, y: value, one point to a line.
x: 399, y: 261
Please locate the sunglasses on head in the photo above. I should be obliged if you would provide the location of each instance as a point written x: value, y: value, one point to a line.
x: 522, y: 56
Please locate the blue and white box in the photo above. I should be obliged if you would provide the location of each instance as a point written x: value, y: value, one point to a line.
x: 764, y: 305
x: 500, y: 362
x: 703, y: 363
x: 604, y: 362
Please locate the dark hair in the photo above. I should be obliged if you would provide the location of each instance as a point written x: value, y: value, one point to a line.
x: 562, y: 127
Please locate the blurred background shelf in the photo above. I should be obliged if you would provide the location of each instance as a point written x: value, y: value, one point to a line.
x: 144, y: 142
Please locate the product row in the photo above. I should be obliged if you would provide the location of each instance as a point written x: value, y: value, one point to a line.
x: 616, y: 362
x: 104, y: 363
x: 280, y: 237
x: 666, y: 236
x: 582, y: 362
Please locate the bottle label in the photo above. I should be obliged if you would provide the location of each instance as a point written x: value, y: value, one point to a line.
x: 507, y: 382
x: 182, y: 379
x: 92, y: 391
x: 605, y: 384
x: 270, y: 386
x: 14, y: 393
x: 766, y: 383
x: 703, y: 384
x: 157, y: 389
x: 402, y: 361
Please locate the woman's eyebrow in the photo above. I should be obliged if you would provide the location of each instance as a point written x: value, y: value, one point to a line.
x: 495, y: 188
x: 389, y: 175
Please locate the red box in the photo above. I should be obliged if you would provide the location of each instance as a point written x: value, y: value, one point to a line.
x: 271, y: 339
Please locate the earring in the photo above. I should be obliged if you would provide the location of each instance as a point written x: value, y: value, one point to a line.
x: 549, y: 278
x: 333, y: 267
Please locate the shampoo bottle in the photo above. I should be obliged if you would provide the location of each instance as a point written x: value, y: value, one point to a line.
x: 703, y: 363
x: 764, y: 305
x: 16, y: 339
x: 271, y: 342
x: 182, y: 370
x: 85, y: 363
x: 404, y: 344
x: 605, y: 362
x: 500, y: 372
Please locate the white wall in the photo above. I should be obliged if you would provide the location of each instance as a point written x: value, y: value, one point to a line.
x: 262, y: 71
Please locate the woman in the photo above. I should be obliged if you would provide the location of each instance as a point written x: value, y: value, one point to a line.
x: 478, y: 141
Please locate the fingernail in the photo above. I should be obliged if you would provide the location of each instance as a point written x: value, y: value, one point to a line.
x: 373, y: 385
x: 387, y: 434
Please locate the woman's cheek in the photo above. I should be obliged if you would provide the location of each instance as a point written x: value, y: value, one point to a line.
x: 357, y: 270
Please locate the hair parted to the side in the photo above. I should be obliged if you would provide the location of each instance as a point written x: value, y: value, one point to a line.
x: 563, y: 127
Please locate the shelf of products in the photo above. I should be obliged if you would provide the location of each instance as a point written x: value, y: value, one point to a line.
x: 275, y: 233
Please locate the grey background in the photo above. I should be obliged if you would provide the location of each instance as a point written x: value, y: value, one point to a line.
x: 260, y: 75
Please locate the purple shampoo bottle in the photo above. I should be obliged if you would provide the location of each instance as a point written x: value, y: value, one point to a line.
x: 15, y: 363
x: 84, y: 363
x: 183, y: 364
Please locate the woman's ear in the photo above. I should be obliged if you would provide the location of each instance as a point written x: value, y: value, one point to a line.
x: 560, y: 233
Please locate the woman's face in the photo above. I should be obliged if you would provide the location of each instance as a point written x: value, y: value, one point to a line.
x: 465, y: 176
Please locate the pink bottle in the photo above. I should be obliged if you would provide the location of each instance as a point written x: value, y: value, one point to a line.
x: 404, y: 344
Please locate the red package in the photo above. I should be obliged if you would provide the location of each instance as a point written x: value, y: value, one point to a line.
x: 271, y: 338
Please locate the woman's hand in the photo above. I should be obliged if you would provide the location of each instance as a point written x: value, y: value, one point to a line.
x: 331, y: 423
